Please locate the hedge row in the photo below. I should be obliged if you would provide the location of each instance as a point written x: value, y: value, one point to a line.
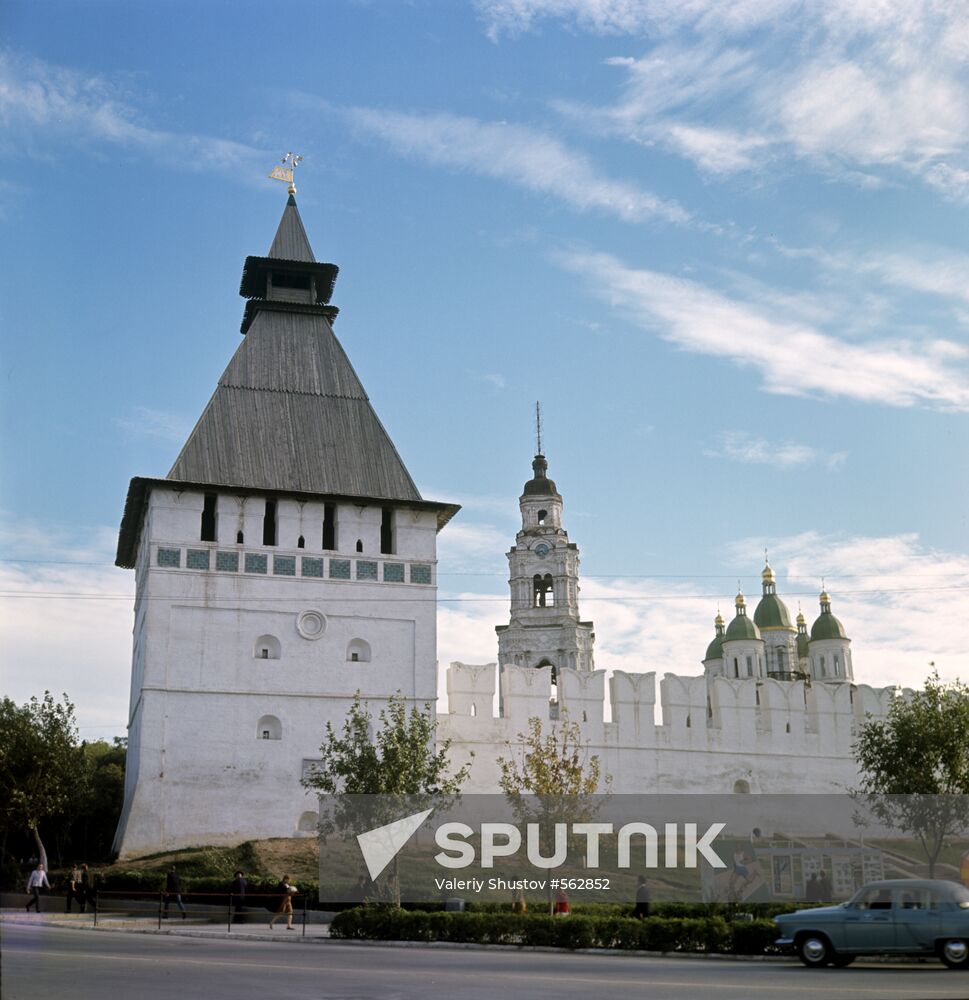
x: 728, y: 911
x: 704, y: 934
x: 218, y: 886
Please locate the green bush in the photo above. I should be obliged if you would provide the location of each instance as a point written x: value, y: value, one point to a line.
x: 754, y: 937
x: 685, y: 934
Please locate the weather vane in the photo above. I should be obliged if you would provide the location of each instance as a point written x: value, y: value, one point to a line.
x: 287, y: 171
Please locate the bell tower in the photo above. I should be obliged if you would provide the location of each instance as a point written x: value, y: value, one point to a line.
x: 544, y: 629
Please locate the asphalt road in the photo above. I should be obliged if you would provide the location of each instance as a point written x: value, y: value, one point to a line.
x: 41, y: 962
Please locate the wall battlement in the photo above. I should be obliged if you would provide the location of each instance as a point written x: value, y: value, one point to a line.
x: 752, y: 721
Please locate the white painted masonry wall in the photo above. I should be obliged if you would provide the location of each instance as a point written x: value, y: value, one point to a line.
x: 777, y: 736
x: 199, y: 770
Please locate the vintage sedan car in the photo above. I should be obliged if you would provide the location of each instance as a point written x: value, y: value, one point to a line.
x: 896, y: 917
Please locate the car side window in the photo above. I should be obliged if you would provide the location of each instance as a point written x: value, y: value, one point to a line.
x: 919, y: 899
x: 873, y: 899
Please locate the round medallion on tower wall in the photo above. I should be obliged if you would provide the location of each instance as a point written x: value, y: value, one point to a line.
x: 311, y: 624
x: 542, y: 550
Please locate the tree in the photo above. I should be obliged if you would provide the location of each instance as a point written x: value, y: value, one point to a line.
x: 97, y: 797
x: 919, y: 758
x: 400, y: 759
x: 556, y: 763
x: 39, y: 763
x: 551, y: 779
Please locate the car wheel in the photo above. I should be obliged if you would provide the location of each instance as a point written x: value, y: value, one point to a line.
x: 814, y: 950
x: 842, y: 961
x: 955, y: 953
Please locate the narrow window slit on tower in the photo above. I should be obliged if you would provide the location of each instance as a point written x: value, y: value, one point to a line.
x: 359, y: 545
x: 301, y: 542
x: 387, y: 530
x: 269, y: 524
x: 240, y: 538
x: 329, y: 526
x: 208, y: 533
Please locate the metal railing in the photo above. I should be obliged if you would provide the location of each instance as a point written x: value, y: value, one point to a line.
x: 235, y: 907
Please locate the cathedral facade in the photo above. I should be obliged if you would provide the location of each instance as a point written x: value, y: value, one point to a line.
x: 287, y: 561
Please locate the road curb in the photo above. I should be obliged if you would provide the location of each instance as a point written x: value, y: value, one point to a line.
x: 298, y: 938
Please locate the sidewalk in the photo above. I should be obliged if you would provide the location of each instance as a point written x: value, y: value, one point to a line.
x: 194, y: 925
x: 319, y: 932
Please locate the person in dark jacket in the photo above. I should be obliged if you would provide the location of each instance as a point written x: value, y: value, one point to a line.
x: 641, y: 910
x: 85, y: 888
x: 173, y: 888
x: 238, y: 896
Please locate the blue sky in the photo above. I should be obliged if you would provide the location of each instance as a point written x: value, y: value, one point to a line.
x: 725, y: 245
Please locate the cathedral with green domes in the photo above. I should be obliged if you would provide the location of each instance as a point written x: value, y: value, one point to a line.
x: 769, y: 646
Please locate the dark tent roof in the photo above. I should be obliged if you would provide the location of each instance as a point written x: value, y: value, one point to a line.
x: 289, y: 415
x: 291, y: 241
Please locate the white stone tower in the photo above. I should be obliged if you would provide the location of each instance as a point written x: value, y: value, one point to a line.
x: 544, y: 629
x: 285, y: 563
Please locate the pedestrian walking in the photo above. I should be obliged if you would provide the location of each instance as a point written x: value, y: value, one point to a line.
x: 36, y: 882
x: 641, y: 909
x: 237, y: 893
x: 85, y: 887
x: 74, y: 889
x: 173, y: 889
x: 285, y: 905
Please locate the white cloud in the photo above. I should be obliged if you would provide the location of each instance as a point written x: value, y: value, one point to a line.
x: 900, y: 602
x: 522, y: 156
x: 463, y: 542
x: 717, y: 150
x: 41, y: 103
x: 630, y: 16
x: 793, y: 358
x: 897, y: 600
x: 928, y: 270
x: 495, y: 380
x: 854, y: 88
x: 740, y: 446
x: 66, y: 622
x: 144, y: 422
x: 873, y: 114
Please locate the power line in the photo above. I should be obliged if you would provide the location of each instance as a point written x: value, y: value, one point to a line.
x: 618, y: 575
x: 433, y: 598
